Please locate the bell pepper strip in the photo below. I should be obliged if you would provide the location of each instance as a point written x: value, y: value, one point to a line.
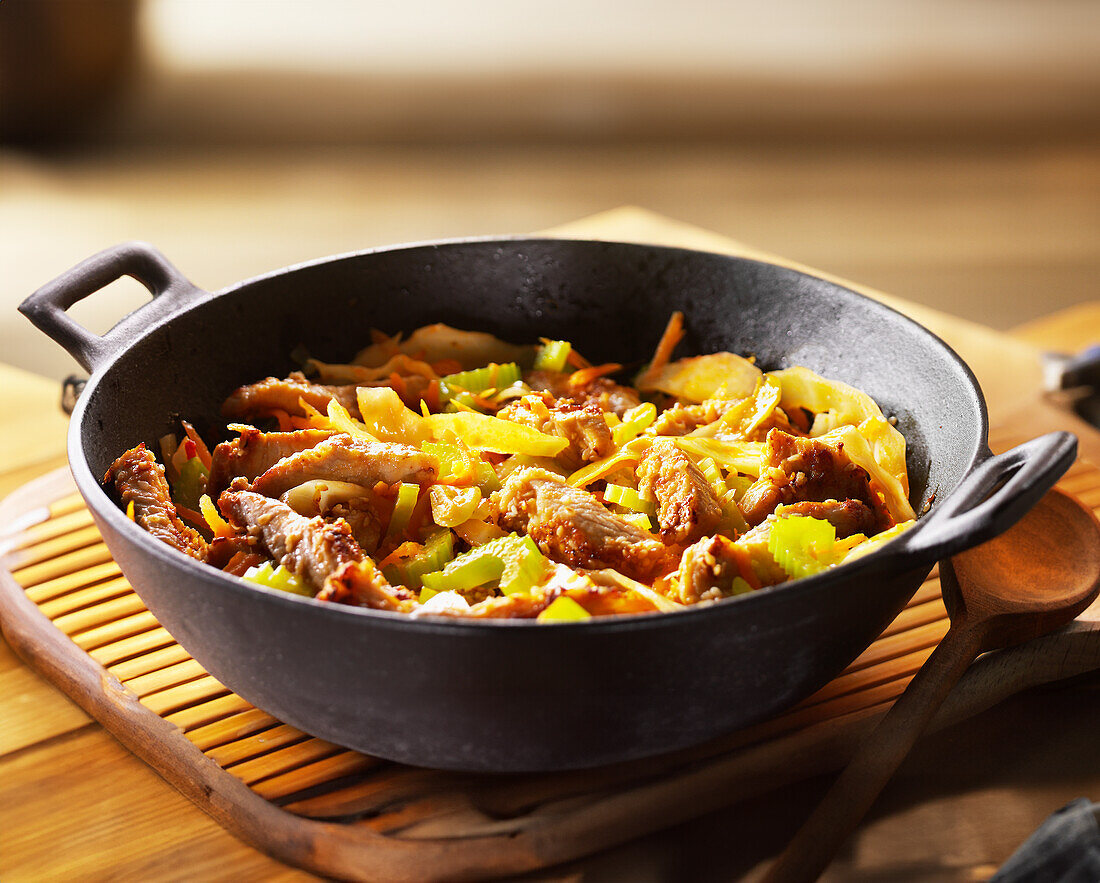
x: 563, y: 609
x: 552, y: 355
x: 407, y: 495
x: 634, y: 421
x: 629, y: 498
x: 513, y: 560
x: 801, y: 545
x: 213, y: 518
x: 277, y: 578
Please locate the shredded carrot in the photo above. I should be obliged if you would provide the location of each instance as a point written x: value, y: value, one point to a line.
x: 673, y: 334
x: 431, y: 395
x: 585, y: 376
x: 200, y: 446
x: 397, y: 382
x: 577, y: 360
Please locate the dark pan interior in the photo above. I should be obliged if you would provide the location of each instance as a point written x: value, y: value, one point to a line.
x: 612, y: 300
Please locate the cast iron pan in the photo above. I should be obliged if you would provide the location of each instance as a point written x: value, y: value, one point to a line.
x: 514, y: 695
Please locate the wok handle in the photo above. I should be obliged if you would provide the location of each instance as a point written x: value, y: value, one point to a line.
x: 46, y: 307
x: 992, y: 498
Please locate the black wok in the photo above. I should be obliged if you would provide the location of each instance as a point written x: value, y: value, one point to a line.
x: 514, y: 695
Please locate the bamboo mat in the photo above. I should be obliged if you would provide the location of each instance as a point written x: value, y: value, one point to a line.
x: 70, y: 612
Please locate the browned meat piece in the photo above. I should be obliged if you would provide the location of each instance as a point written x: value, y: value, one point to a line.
x: 606, y: 394
x: 361, y: 518
x: 573, y: 527
x: 223, y: 550
x: 805, y: 469
x: 682, y: 419
x: 848, y: 517
x: 708, y: 569
x: 688, y: 507
x: 323, y: 554
x: 310, y: 548
x: 260, y: 399
x: 139, y: 479
x: 583, y: 426
x: 342, y: 458
x: 254, y: 452
x: 360, y: 583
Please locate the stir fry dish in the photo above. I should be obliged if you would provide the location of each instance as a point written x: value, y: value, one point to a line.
x: 451, y: 473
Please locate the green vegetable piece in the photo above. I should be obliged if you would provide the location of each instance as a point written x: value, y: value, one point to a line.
x: 487, y: 478
x: 629, y: 498
x: 563, y: 609
x: 492, y: 376
x: 403, y: 508
x: 553, y: 355
x: 191, y: 485
x: 740, y: 586
x: 277, y: 578
x: 437, y: 552
x: 801, y: 545
x: 426, y: 595
x: 638, y: 519
x: 515, y: 561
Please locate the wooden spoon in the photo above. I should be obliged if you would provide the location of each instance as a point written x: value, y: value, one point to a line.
x: 1036, y: 577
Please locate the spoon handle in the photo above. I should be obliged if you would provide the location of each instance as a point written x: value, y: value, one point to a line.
x: 852, y: 794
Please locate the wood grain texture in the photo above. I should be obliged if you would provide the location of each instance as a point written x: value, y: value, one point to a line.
x: 345, y: 812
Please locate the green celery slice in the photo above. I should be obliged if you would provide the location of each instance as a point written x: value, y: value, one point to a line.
x: 629, y: 498
x: 801, y: 545
x: 492, y: 376
x: 563, y: 609
x: 552, y: 355
x: 277, y: 578
x: 402, y: 508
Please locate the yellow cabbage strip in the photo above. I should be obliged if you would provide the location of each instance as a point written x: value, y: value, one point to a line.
x: 630, y: 453
x: 340, y: 420
x: 663, y: 604
x: 433, y: 343
x: 837, y: 404
x: 735, y: 456
x: 765, y: 400
x: 702, y: 377
x: 399, y: 364
x: 877, y: 541
x: 385, y: 415
x: 857, y: 449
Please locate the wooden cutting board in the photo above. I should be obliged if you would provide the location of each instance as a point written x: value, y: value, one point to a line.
x: 68, y: 611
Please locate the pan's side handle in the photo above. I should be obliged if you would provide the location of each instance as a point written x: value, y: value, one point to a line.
x: 992, y: 498
x: 46, y: 307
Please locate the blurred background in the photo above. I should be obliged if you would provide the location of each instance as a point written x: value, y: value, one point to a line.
x: 943, y: 150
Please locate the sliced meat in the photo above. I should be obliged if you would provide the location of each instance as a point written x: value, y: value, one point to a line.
x: 603, y: 392
x: 682, y: 419
x: 805, y: 469
x: 583, y: 426
x: 363, y: 521
x: 261, y: 399
x: 139, y: 479
x: 708, y: 570
x: 254, y: 452
x: 342, y: 458
x: 323, y: 554
x: 688, y: 507
x: 310, y: 548
x: 361, y: 584
x: 573, y: 527
x: 848, y: 517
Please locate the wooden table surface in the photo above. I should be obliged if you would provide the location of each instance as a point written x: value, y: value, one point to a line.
x: 75, y: 805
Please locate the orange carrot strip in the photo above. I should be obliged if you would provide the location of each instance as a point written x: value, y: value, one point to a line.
x: 585, y: 376
x: 673, y: 334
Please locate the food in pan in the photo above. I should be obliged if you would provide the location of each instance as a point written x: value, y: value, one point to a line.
x: 455, y: 474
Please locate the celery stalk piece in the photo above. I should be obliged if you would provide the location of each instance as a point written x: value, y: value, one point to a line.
x: 801, y: 545
x: 492, y: 376
x: 486, y: 478
x: 638, y: 519
x: 455, y: 462
x: 515, y: 561
x: 402, y: 508
x: 437, y: 552
x: 563, y: 609
x: 192, y: 483
x: 629, y: 498
x: 277, y: 578
x: 552, y: 355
